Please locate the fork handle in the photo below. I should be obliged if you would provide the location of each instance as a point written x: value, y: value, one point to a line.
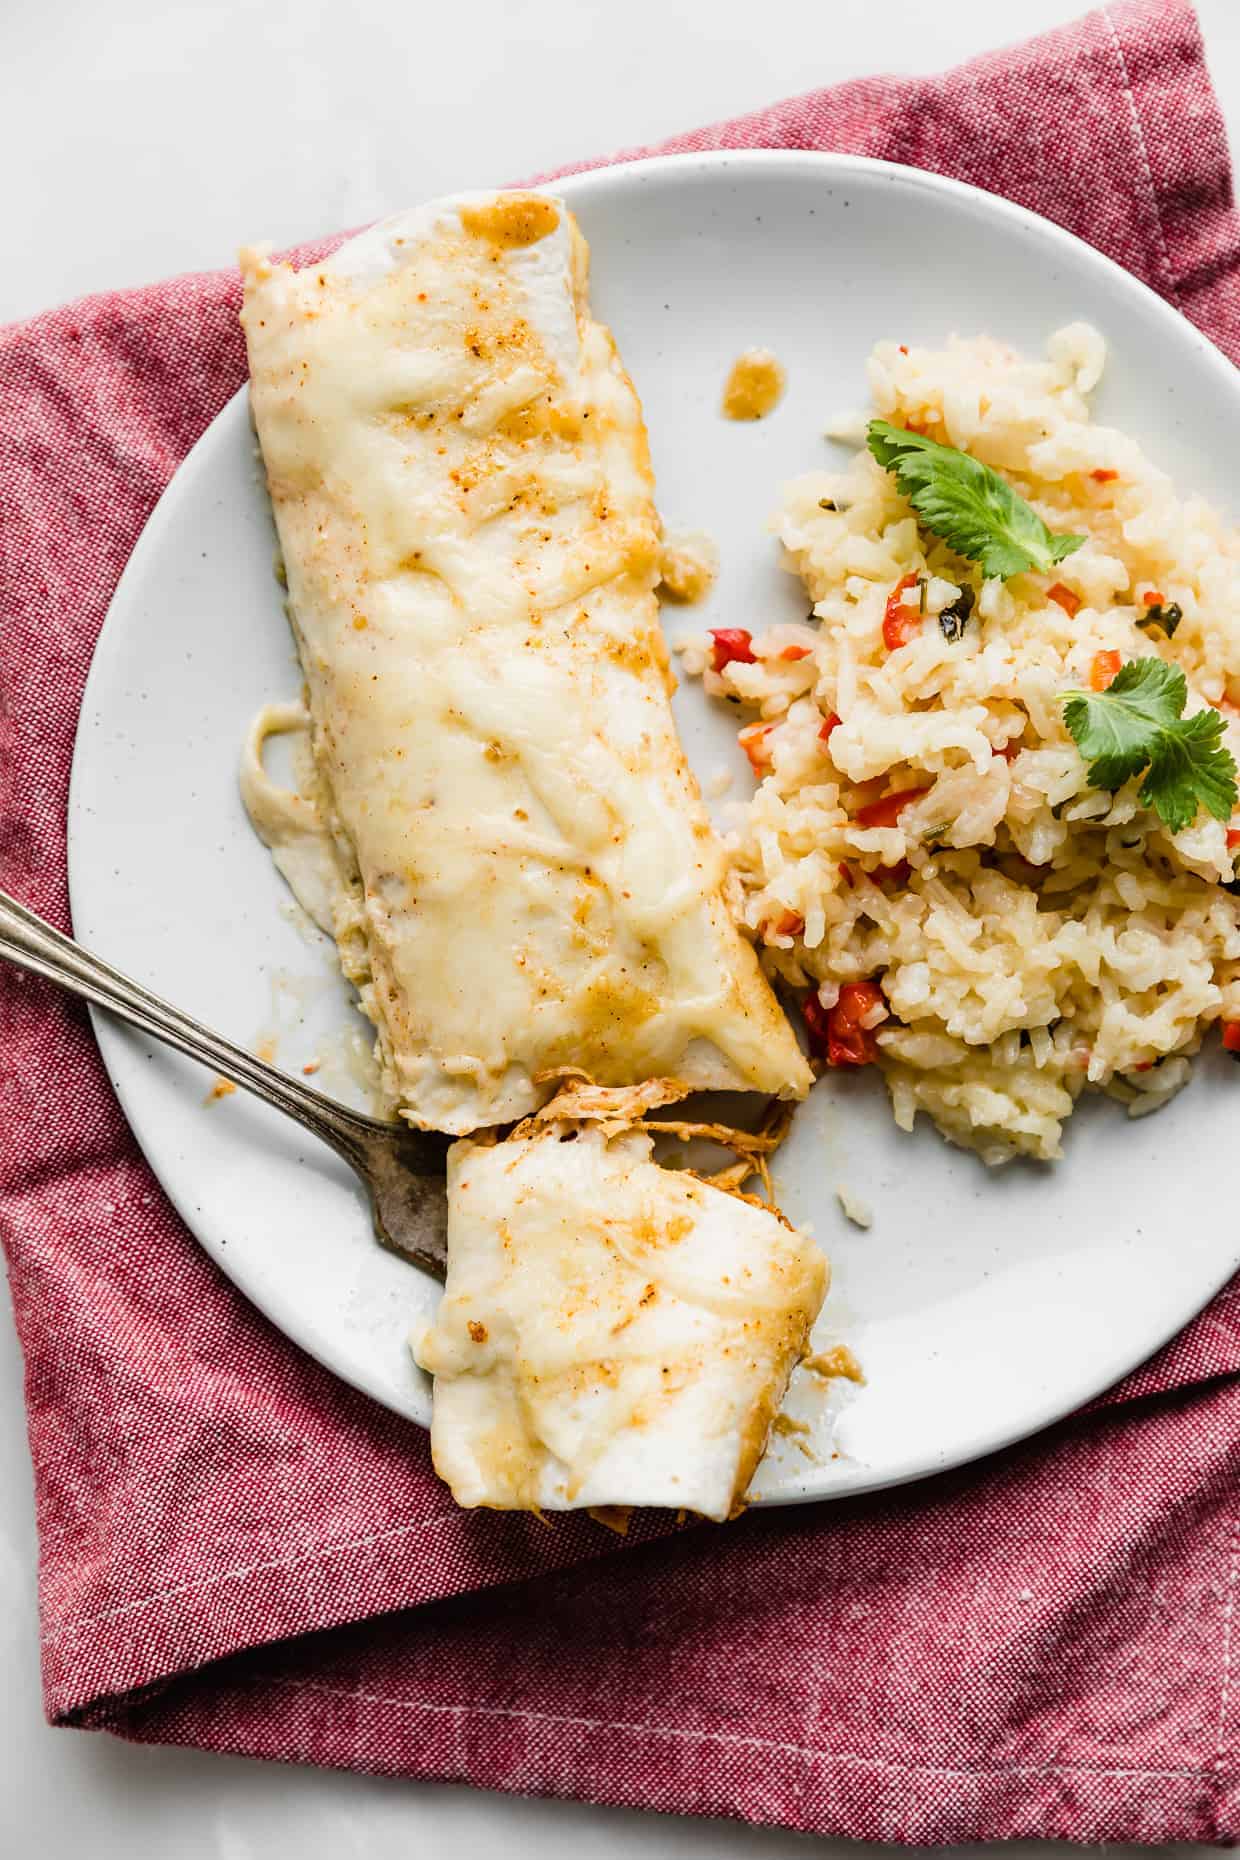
x: 34, y: 945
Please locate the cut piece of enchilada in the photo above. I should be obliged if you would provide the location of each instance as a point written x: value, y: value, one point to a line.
x: 526, y: 878
x: 612, y: 1332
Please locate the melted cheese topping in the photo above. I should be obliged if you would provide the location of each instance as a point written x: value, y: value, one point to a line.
x: 611, y: 1333
x: 526, y: 878
x: 688, y: 565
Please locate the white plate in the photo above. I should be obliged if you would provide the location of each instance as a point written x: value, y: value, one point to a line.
x: 982, y: 1306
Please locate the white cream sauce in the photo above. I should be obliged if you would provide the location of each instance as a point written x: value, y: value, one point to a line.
x: 289, y: 821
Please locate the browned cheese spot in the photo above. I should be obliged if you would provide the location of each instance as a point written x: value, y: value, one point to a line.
x: 512, y: 219
x: 754, y: 386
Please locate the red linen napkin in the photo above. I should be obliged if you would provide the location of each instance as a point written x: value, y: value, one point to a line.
x: 1042, y: 1645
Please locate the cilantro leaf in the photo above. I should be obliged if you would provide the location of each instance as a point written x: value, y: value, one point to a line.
x: 1189, y: 768
x: 974, y: 510
x: 1138, y: 723
x: 1113, y: 729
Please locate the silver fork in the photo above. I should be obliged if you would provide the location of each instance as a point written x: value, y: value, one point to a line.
x: 402, y: 1169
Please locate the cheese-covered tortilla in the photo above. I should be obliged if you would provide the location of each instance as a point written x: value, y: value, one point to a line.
x: 521, y: 874
x: 612, y: 1332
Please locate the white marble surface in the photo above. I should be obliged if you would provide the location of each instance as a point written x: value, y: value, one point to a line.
x: 143, y: 137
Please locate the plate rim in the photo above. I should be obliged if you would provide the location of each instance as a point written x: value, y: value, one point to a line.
x: 577, y: 186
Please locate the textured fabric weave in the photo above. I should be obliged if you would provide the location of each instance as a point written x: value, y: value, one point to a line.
x: 1042, y: 1645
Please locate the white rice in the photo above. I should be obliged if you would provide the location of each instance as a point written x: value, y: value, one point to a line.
x: 1048, y: 936
x: 859, y: 1212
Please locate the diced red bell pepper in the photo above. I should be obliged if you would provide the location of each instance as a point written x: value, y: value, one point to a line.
x: 848, y: 1042
x: 1103, y: 477
x: 1064, y: 597
x: 788, y: 923
x: 829, y: 723
x: 886, y: 812
x: 733, y: 645
x: 900, y: 622
x: 1233, y: 838
x: 815, y: 1017
x: 1104, y: 670
x: 752, y: 740
x: 1231, y: 1035
x: 796, y: 652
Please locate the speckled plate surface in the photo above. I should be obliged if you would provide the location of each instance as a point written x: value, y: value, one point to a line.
x: 981, y: 1306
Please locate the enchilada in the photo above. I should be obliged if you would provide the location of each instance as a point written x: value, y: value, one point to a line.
x: 612, y: 1332
x: 520, y: 874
